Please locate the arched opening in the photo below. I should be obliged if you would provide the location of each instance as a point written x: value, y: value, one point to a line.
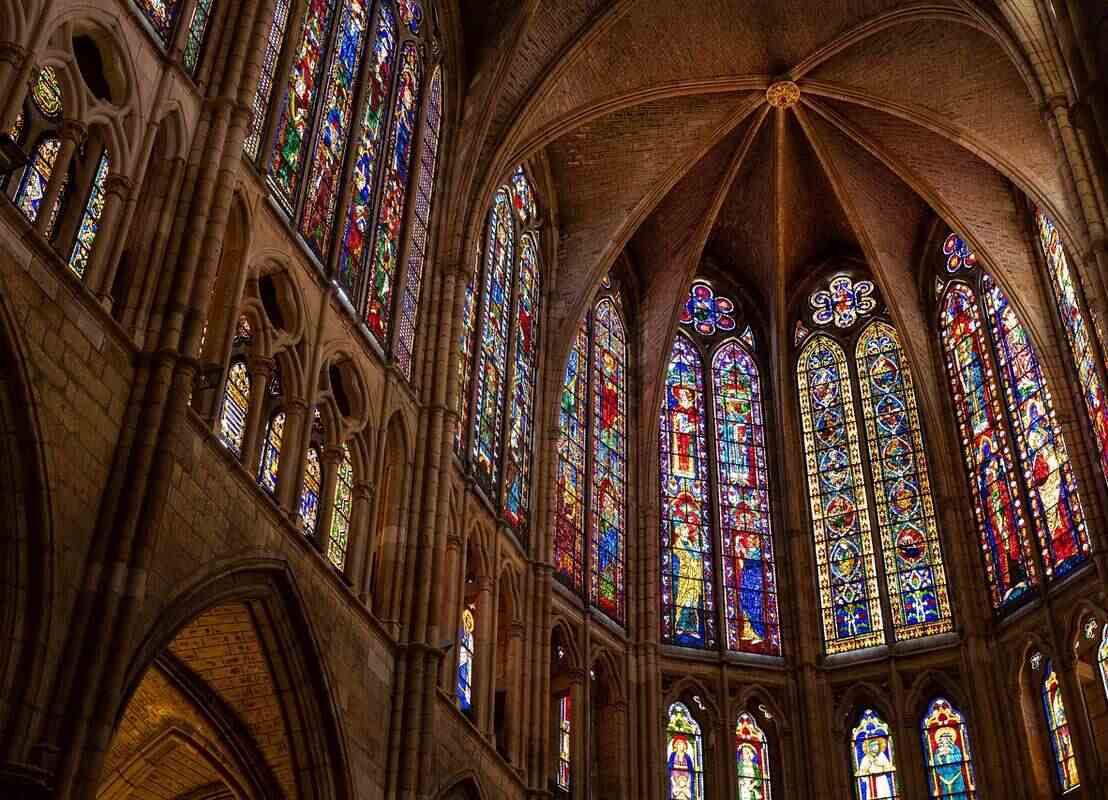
x: 1041, y: 764
x: 387, y: 560
x: 566, y: 685
x: 608, y: 751
x: 226, y: 698
x: 1091, y: 667
x: 509, y: 643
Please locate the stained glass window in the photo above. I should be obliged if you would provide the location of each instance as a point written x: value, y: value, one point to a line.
x: 1052, y: 487
x: 523, y: 198
x: 286, y: 164
x: 706, y: 313
x: 749, y: 576
x: 309, y: 496
x: 465, y: 659
x: 752, y: 760
x: 342, y: 511
x: 394, y: 192
x: 946, y: 752
x: 417, y: 236
x: 36, y: 175
x: 565, y: 730
x: 411, y: 14
x: 609, y: 449
x: 846, y: 571
x: 1102, y: 659
x: 492, y: 353
x: 1061, y: 745
x: 688, y: 604
x: 324, y: 174
x: 985, y: 445
x: 271, y: 452
x: 913, y: 563
x: 260, y: 106
x: 352, y: 257
x: 1066, y: 299
x: 842, y: 302
x: 236, y: 404
x: 569, y: 514
x: 874, y: 761
x: 161, y: 14
x: 90, y: 220
x: 466, y: 344
x: 47, y: 93
x: 684, y: 755
x: 198, y: 29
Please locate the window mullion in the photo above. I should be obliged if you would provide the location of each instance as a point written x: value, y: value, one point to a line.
x: 869, y: 476
x: 587, y: 531
x: 715, y: 511
x: 379, y: 178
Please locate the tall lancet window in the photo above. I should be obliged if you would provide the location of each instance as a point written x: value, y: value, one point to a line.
x: 500, y: 341
x: 752, y: 759
x: 863, y: 438
x: 874, y: 759
x: 1058, y: 729
x: 684, y: 755
x: 592, y: 418
x: 1015, y: 455
x: 946, y: 752
x: 716, y: 499
x: 342, y: 172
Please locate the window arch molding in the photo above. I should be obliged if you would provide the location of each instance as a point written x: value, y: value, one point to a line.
x: 1032, y: 528
x: 499, y: 373
x: 688, y: 700
x: 881, y: 575
x: 716, y: 477
x: 759, y: 705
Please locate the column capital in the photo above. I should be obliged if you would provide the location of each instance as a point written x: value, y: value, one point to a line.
x: 73, y: 130
x: 262, y: 366
x: 331, y: 455
x: 295, y: 406
x: 118, y: 184
x: 516, y: 629
x: 13, y: 53
x: 363, y: 490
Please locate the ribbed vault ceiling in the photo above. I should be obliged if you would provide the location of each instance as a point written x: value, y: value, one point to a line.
x: 653, y: 118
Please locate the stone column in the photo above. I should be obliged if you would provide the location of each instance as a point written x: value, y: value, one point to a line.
x: 261, y: 370
x: 71, y: 135
x: 330, y: 459
x: 578, y: 736
x: 451, y: 606
x: 485, y: 661
x: 360, y: 540
x: 101, y: 267
x: 288, y: 475
x: 15, y: 74
x: 513, y: 733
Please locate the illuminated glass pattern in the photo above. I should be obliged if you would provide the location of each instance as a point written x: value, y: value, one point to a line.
x: 705, y: 312
x: 90, y: 219
x: 47, y: 93
x: 411, y: 14
x: 198, y: 30
x: 1102, y: 659
x: 958, y: 255
x: 271, y: 452
x: 523, y: 198
x: 752, y: 760
x: 684, y: 755
x: 342, y: 511
x: 236, y: 404
x: 913, y: 562
x: 1048, y: 475
x: 1066, y: 300
x: 417, y: 231
x: 465, y: 345
x: 161, y: 14
x: 609, y: 462
x: 492, y: 353
x: 286, y: 164
x: 322, y: 189
x: 842, y: 302
x: 946, y: 752
x: 464, y: 688
x: 846, y: 570
x: 569, y: 514
x: 260, y: 106
x: 988, y: 454
x: 36, y: 175
x: 394, y: 193
x: 309, y: 496
x: 368, y: 155
x: 565, y: 731
x: 517, y: 483
x: 749, y: 576
x: 688, y: 606
x: 1057, y: 723
x: 874, y: 761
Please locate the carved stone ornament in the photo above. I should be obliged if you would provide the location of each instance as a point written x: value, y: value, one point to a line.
x: 783, y: 94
